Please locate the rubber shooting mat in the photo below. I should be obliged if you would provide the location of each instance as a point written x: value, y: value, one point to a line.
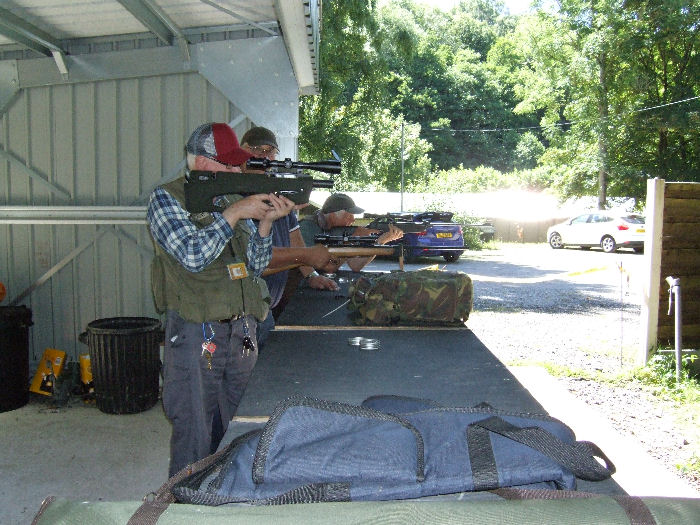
x: 450, y: 366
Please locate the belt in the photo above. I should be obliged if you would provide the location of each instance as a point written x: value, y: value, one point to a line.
x: 226, y: 321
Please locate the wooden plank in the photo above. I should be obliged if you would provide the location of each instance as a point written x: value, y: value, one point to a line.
x: 689, y: 267
x: 675, y: 216
x: 688, y: 207
x: 681, y: 230
x: 312, y: 328
x: 682, y: 190
x: 688, y: 342
x: 672, y: 256
x: 689, y: 317
x: 690, y: 333
x: 671, y: 243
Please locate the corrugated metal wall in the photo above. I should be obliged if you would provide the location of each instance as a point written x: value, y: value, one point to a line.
x: 104, y: 143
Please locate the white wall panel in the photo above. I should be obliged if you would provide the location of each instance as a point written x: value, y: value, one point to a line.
x: 104, y: 143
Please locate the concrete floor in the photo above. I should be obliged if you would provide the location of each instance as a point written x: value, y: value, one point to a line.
x: 79, y: 453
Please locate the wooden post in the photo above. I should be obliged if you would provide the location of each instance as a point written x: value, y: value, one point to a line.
x: 652, y: 265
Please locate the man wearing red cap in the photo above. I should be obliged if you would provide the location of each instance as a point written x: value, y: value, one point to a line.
x: 206, y: 276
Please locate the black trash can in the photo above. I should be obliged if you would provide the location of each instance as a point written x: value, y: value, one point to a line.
x: 125, y: 362
x: 14, y: 356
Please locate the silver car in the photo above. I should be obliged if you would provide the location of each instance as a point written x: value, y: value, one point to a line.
x: 608, y: 230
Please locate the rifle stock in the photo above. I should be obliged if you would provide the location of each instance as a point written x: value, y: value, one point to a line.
x: 202, y: 187
x: 340, y: 252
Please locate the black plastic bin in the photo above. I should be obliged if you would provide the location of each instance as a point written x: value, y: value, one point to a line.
x: 14, y: 356
x: 125, y: 362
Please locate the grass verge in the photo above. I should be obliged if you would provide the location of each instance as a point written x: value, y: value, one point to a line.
x: 681, y: 399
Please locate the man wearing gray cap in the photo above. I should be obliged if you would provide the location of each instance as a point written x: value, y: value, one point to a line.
x: 339, y: 211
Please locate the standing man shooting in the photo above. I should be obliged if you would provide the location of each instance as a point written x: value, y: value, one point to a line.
x: 205, y: 275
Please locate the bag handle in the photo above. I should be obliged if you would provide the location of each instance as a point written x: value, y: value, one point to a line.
x: 578, y: 457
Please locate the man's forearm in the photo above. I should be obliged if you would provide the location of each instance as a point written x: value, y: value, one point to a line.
x: 287, y: 256
x: 297, y: 241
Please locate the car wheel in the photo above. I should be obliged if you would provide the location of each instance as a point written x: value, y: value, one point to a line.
x: 452, y: 256
x: 555, y: 241
x: 608, y: 244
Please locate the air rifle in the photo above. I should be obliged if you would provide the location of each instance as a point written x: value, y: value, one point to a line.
x: 282, y: 177
x: 402, y: 222
x: 354, y: 246
x: 342, y: 246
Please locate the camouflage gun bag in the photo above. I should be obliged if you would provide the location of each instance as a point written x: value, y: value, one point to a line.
x: 420, y: 297
x: 387, y: 448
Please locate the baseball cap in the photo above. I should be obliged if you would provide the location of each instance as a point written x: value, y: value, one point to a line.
x: 259, y: 136
x: 340, y: 201
x: 216, y: 140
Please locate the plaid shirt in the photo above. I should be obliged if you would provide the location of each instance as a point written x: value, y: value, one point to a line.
x: 196, y: 248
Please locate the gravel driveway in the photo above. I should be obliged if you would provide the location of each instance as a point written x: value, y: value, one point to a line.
x: 578, y: 309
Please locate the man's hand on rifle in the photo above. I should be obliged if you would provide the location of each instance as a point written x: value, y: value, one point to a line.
x: 320, y: 258
x: 265, y: 207
x: 392, y: 234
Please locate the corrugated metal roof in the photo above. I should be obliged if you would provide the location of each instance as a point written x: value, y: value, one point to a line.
x: 71, y: 19
x: 37, y: 28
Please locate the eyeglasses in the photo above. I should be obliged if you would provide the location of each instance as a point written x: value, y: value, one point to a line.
x: 264, y: 151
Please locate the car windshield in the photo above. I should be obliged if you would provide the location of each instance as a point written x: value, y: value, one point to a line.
x: 634, y: 219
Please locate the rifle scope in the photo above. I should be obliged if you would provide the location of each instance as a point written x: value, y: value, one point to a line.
x: 326, y: 166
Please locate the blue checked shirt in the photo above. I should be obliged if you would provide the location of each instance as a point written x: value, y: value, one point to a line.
x: 196, y: 248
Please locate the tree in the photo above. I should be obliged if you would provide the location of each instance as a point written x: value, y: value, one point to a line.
x: 350, y: 115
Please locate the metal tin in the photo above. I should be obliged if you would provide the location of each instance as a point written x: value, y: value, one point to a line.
x: 369, y: 344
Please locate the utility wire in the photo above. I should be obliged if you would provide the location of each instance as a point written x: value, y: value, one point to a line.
x: 560, y: 124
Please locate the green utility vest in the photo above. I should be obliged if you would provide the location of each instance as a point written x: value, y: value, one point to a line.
x: 210, y: 294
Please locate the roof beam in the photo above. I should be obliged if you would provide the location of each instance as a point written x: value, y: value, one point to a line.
x: 143, y: 11
x: 32, y: 37
x: 239, y: 17
x: 26, y: 34
x: 158, y: 22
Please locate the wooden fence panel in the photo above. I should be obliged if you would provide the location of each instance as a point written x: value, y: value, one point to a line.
x: 680, y: 258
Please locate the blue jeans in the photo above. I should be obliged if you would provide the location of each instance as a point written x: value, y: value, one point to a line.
x: 192, y: 393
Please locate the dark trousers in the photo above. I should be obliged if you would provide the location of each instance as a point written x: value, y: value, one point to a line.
x: 193, y: 394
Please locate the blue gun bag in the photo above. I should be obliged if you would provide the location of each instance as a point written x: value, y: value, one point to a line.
x: 391, y: 448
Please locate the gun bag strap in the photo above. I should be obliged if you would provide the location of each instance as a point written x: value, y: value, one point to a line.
x: 578, y: 457
x: 154, y: 504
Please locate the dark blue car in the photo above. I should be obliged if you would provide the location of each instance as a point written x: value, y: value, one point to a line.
x: 431, y: 234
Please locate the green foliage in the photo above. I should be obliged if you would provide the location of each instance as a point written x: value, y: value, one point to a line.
x: 581, y: 97
x: 660, y: 375
x: 481, y: 179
